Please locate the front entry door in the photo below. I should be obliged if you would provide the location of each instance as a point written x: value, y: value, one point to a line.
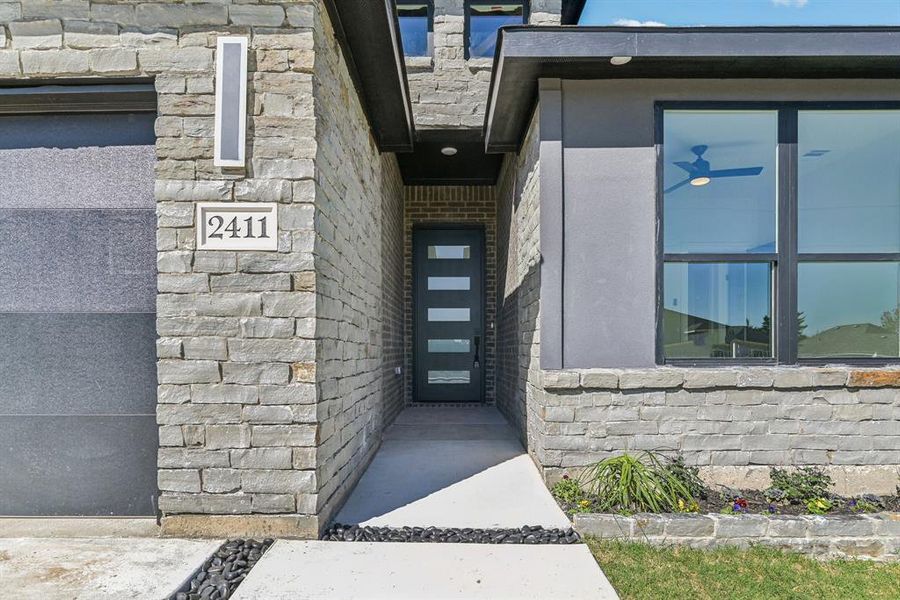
x: 449, y: 308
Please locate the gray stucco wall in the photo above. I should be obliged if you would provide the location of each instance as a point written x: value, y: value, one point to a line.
x: 608, y: 209
x: 599, y: 392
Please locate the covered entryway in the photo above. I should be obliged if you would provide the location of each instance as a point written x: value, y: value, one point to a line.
x: 449, y: 315
x: 77, y: 303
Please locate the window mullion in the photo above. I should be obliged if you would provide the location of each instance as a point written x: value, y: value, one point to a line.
x: 786, y: 265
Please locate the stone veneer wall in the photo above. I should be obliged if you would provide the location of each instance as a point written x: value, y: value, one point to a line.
x: 518, y: 281
x: 358, y: 268
x: 875, y: 536
x: 446, y: 89
x: 455, y: 205
x: 248, y: 424
x: 734, y: 423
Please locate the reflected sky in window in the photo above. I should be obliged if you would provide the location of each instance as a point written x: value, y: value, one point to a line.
x: 849, y: 181
x: 414, y: 33
x: 693, y: 13
x: 484, y: 21
x: 733, y: 153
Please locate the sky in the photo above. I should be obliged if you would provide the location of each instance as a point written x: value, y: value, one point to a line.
x: 675, y: 13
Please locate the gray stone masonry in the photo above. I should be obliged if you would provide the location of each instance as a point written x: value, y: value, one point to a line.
x: 518, y: 280
x: 873, y: 536
x: 447, y: 90
x: 359, y: 196
x: 732, y: 422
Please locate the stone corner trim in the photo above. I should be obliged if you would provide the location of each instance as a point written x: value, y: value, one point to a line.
x: 726, y: 377
x: 875, y: 536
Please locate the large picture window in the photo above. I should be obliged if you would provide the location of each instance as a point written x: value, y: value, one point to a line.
x: 780, y: 233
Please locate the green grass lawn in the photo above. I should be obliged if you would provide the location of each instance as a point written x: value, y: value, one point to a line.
x: 639, y: 571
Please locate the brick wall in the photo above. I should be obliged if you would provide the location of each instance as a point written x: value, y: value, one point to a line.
x: 358, y: 276
x: 451, y: 205
x: 518, y: 279
x: 447, y: 90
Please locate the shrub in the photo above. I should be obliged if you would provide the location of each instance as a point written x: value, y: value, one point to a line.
x: 818, y: 506
x: 798, y: 486
x: 688, y: 476
x: 641, y: 483
x: 567, y: 490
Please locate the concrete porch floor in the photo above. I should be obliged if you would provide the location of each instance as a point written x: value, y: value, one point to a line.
x: 451, y: 467
x: 98, y: 568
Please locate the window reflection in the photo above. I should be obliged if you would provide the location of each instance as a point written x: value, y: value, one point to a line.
x: 415, y: 28
x: 448, y: 314
x: 449, y: 283
x: 448, y: 252
x: 848, y: 309
x: 717, y: 310
x: 448, y: 346
x: 719, y: 178
x: 849, y: 181
x: 448, y: 377
x: 484, y: 20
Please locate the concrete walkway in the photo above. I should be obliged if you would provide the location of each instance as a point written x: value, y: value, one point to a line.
x: 451, y: 467
x: 447, y: 467
x: 293, y: 570
x: 98, y: 568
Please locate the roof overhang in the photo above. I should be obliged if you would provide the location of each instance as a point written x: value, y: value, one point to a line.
x: 525, y: 54
x: 468, y: 165
x: 368, y: 33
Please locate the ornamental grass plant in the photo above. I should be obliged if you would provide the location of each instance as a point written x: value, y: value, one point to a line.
x: 641, y: 483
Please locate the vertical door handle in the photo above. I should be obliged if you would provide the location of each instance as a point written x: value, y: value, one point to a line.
x: 475, y: 363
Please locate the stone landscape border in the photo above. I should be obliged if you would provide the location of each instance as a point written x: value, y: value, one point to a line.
x: 873, y: 536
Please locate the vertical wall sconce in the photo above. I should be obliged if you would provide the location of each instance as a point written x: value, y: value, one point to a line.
x: 231, y: 101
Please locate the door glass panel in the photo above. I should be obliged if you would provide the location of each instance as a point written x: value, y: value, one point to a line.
x: 449, y: 283
x: 849, y: 181
x: 448, y: 314
x: 848, y: 309
x: 717, y: 310
x: 452, y: 377
x: 720, y: 184
x: 448, y: 252
x: 448, y: 345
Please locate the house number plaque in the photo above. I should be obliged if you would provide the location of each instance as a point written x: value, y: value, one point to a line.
x: 237, y: 226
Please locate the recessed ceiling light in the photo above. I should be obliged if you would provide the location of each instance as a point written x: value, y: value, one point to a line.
x: 448, y: 150
x: 618, y: 61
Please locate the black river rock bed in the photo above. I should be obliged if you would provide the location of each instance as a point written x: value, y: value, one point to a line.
x: 527, y: 534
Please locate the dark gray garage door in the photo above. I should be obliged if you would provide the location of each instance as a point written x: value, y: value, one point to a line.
x: 77, y: 315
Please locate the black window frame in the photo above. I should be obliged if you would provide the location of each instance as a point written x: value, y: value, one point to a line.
x: 786, y: 258
x: 468, y: 4
x: 430, y: 13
